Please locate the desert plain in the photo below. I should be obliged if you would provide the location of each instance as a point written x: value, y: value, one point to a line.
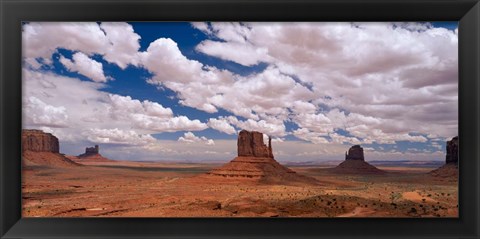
x: 253, y: 184
x: 142, y: 189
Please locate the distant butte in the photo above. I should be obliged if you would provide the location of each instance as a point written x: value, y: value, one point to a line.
x: 90, y: 151
x: 42, y: 149
x: 92, y: 154
x: 256, y: 162
x: 355, y: 163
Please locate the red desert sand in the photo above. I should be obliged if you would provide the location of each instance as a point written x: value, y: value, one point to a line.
x: 253, y: 184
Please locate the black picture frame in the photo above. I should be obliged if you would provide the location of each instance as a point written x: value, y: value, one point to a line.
x: 13, y: 12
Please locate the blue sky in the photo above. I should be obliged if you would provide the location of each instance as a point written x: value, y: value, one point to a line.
x: 144, y: 90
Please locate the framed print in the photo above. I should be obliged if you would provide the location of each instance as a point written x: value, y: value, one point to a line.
x: 266, y: 119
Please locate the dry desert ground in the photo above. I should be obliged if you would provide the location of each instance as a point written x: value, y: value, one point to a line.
x: 143, y: 189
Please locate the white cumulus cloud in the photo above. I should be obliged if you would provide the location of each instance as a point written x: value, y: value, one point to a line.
x: 400, y: 85
x: 190, y: 137
x: 221, y: 125
x: 86, y: 66
x: 395, y: 88
x: 118, y: 136
x: 117, y: 42
x: 37, y: 112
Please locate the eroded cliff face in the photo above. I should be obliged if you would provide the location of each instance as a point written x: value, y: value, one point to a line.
x: 40, y: 148
x: 39, y: 141
x: 250, y: 144
x: 452, y: 151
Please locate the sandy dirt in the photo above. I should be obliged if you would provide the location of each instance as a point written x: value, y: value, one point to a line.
x: 139, y: 189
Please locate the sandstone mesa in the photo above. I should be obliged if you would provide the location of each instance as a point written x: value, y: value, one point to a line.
x: 40, y: 148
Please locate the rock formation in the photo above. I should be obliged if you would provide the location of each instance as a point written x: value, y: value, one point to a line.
x: 450, y: 168
x: 355, y: 153
x: 250, y: 144
x: 90, y: 151
x: 452, y: 151
x: 256, y: 162
x: 355, y: 163
x: 38, y: 141
x: 40, y: 148
x: 92, y: 154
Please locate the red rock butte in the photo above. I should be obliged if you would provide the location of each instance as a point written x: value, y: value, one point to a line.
x: 250, y: 144
x: 38, y: 141
x: 92, y: 154
x: 89, y: 151
x: 255, y: 161
x: 42, y: 149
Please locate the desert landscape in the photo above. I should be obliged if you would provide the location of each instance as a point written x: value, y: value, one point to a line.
x: 253, y: 184
x: 240, y: 119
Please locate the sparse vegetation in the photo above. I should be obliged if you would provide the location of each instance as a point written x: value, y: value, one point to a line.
x: 394, y: 196
x: 151, y: 193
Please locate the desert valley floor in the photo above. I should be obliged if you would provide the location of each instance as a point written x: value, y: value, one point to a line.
x: 143, y: 189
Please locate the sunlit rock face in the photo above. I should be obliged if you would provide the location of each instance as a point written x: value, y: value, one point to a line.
x: 250, y: 144
x: 39, y: 141
x: 42, y: 149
